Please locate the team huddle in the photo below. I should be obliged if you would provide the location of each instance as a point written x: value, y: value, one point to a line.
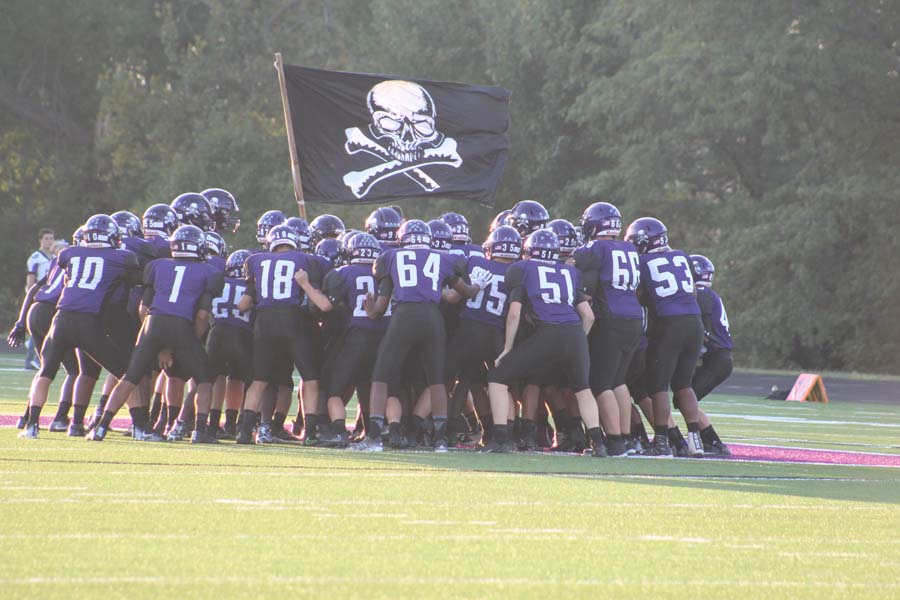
x: 546, y: 335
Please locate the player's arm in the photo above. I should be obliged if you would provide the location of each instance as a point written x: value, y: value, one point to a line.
x: 516, y: 290
x: 586, y: 313
x: 315, y: 295
x: 247, y: 301
x: 17, y: 333
x: 480, y: 279
x: 375, y: 307
x: 149, y: 291
x: 133, y: 270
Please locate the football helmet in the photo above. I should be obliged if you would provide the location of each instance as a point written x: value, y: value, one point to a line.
x: 703, y: 269
x: 234, y: 266
x: 601, y: 218
x: 528, y: 216
x: 383, y: 224
x: 224, y: 206
x: 414, y: 233
x: 459, y: 225
x: 188, y: 241
x: 363, y: 248
x: 504, y: 242
x: 215, y: 244
x: 78, y: 236
x: 100, y: 231
x: 267, y: 221
x: 282, y: 235
x: 647, y: 234
x: 566, y: 234
x: 159, y: 220
x: 500, y: 220
x: 330, y: 249
x: 303, y: 233
x: 129, y: 224
x: 441, y: 235
x: 193, y: 209
x: 324, y: 227
x: 542, y: 245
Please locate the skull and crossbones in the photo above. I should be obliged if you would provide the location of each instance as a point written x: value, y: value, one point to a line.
x: 403, y: 135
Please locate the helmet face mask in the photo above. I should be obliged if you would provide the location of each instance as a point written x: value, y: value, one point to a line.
x: 504, y: 242
x: 188, y: 241
x: 129, y: 224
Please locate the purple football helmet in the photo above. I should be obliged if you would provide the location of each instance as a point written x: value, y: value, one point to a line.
x: 267, y: 221
x: 441, y: 235
x: 100, y: 231
x: 647, y: 234
x: 458, y: 224
x: 703, y: 269
x: 331, y: 250
x: 383, y: 224
x: 224, y: 205
x: 363, y: 248
x: 504, y: 242
x: 188, y: 241
x: 542, y: 245
x: 528, y: 216
x: 324, y: 227
x: 193, y: 209
x: 159, y: 220
x: 601, y: 218
x: 304, y: 235
x: 414, y: 233
x: 282, y: 235
x: 215, y: 244
x: 234, y: 266
x: 567, y: 236
x: 500, y: 220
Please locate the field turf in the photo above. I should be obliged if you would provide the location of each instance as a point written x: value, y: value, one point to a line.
x: 121, y: 519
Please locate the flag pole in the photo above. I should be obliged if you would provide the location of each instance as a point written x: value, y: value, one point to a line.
x: 292, y: 145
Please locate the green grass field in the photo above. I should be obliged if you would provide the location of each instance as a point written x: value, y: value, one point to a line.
x: 120, y: 519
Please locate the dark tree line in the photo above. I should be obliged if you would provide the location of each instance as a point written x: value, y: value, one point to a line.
x: 763, y: 133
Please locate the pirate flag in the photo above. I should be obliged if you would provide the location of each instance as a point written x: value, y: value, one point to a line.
x: 374, y: 138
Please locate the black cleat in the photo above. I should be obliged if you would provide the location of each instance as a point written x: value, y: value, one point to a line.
x: 178, y: 431
x: 659, y: 447
x: 203, y: 437
x: 30, y: 432
x: 396, y: 440
x: 282, y: 435
x: 229, y: 432
x: 440, y: 444
x: 297, y: 426
x: 493, y: 447
x: 596, y: 450
x: 59, y: 425
x: 244, y: 438
x: 333, y: 439
x: 717, y: 450
x: 21, y: 422
x: 75, y: 429
x: 616, y: 448
x: 368, y: 444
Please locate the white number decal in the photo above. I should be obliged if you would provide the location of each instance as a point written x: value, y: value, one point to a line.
x: 408, y: 275
x: 626, y: 270
x: 220, y: 308
x: 282, y: 278
x: 724, y: 319
x: 54, y: 283
x: 552, y: 293
x: 90, y: 278
x: 668, y: 279
x: 496, y: 299
x: 365, y: 285
x: 176, y: 286
x: 220, y: 312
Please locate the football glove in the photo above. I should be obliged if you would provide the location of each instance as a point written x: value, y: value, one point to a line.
x: 16, y: 335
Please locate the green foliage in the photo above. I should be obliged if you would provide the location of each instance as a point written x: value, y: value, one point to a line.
x: 763, y: 133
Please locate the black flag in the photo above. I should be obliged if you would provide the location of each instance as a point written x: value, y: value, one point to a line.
x: 374, y: 138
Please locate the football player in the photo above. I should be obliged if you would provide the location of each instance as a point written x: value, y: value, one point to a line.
x: 611, y: 269
x: 279, y: 328
x: 224, y: 207
x: 178, y: 293
x: 675, y: 335
x: 413, y: 277
x: 325, y: 227
x: 527, y: 217
x: 383, y: 224
x: 717, y: 362
x: 548, y: 291
x: 92, y: 271
x: 194, y: 209
x: 462, y: 242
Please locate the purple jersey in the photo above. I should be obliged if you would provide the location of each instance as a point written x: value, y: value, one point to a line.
x: 91, y: 275
x: 145, y: 252
x: 489, y: 305
x: 466, y: 250
x: 161, y: 245
x: 416, y: 274
x: 224, y: 307
x: 618, y: 273
x: 666, y: 278
x: 217, y: 262
x: 715, y: 320
x: 548, y: 290
x: 178, y: 285
x: 270, y: 277
x: 348, y: 286
x: 53, y: 285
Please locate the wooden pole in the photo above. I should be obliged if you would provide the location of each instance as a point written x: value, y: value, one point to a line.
x: 292, y: 145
